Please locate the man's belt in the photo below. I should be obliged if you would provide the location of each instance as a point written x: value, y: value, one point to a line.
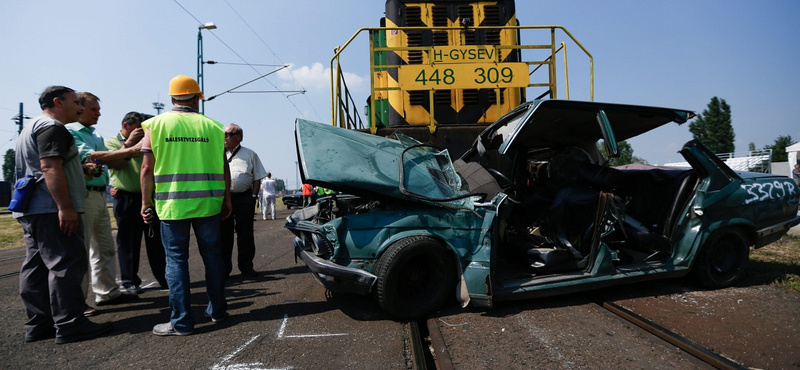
x: 96, y: 188
x: 248, y: 192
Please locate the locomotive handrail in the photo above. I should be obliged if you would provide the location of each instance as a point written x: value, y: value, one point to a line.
x: 338, y: 84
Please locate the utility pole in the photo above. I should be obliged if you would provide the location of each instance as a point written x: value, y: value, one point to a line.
x: 158, y: 107
x: 20, y: 119
x: 200, y: 76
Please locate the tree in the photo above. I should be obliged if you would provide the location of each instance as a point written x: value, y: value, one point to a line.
x: 779, y: 148
x: 9, y: 166
x: 625, y: 155
x: 713, y: 127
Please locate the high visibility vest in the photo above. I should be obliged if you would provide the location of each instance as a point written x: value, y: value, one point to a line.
x: 324, y: 191
x: 189, y: 167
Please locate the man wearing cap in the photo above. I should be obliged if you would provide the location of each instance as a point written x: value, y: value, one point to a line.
x: 127, y: 193
x: 186, y: 178
x: 96, y: 221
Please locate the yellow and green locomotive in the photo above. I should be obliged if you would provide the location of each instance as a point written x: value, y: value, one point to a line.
x: 442, y: 70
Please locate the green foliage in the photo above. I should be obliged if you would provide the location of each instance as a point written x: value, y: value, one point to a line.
x: 625, y: 154
x: 279, y: 185
x: 9, y: 165
x: 713, y: 127
x: 779, y: 148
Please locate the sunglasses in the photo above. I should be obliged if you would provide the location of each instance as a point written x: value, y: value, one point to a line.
x: 227, y: 134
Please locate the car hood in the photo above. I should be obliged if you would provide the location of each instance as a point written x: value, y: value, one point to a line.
x: 367, y: 165
x: 558, y: 123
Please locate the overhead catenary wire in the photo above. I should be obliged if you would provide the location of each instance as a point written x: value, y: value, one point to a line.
x: 276, y: 56
x: 248, y: 82
x: 242, y: 64
x: 240, y: 57
x: 264, y: 91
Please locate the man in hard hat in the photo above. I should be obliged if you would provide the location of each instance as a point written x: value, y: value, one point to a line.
x: 56, y: 261
x: 186, y: 179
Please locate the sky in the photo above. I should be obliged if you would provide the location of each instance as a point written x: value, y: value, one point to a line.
x: 676, y: 54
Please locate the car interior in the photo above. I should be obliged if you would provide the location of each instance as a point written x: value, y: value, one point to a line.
x: 562, y: 200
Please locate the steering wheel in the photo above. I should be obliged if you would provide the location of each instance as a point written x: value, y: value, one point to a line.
x: 563, y: 166
x: 506, y: 183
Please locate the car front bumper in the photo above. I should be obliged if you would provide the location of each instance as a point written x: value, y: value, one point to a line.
x: 336, y: 278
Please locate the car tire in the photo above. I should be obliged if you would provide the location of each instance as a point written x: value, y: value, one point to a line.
x: 722, y: 259
x: 416, y: 275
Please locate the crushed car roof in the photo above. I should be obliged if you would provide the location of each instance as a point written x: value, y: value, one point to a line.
x: 553, y: 123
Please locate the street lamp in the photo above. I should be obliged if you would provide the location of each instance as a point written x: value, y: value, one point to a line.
x: 207, y: 26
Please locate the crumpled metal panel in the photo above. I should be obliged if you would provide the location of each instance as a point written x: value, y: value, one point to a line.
x: 361, y: 164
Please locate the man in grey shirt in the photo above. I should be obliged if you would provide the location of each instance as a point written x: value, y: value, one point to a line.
x: 56, y: 261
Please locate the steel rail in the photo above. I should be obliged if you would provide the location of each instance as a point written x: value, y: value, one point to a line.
x: 10, y: 274
x: 682, y: 343
x: 417, y: 347
x: 11, y: 258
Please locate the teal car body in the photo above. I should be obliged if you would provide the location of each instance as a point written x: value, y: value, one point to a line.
x: 531, y: 210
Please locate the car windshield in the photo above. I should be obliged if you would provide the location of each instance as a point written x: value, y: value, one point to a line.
x: 506, y: 126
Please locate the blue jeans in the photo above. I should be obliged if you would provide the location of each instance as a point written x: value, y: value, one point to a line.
x: 175, y: 237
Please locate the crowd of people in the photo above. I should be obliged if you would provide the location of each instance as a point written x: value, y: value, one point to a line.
x: 169, y: 174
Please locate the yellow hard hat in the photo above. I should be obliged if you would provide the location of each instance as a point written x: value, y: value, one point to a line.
x: 184, y: 87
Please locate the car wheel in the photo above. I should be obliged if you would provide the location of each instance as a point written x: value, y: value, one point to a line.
x: 722, y: 259
x: 416, y: 275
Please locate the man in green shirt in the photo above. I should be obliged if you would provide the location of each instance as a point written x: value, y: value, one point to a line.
x: 127, y: 193
x: 96, y: 221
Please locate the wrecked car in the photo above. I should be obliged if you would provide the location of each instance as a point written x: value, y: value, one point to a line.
x: 292, y: 200
x: 531, y: 210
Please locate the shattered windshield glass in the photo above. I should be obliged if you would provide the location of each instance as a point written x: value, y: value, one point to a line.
x: 506, y: 126
x: 428, y: 173
x: 404, y: 139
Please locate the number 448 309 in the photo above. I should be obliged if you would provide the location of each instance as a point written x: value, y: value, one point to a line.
x: 480, y: 76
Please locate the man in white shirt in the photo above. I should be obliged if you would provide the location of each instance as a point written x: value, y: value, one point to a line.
x: 268, y: 196
x: 246, y: 174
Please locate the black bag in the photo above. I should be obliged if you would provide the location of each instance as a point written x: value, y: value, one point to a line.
x: 23, y: 192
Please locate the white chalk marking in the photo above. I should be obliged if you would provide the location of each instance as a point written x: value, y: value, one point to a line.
x: 282, y: 330
x: 257, y: 365
x: 222, y: 366
x: 230, y: 356
x: 314, y: 335
x: 283, y: 326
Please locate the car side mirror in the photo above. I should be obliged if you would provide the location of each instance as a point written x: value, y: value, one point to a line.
x: 609, y: 140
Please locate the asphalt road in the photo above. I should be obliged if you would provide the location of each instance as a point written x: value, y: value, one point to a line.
x: 282, y: 319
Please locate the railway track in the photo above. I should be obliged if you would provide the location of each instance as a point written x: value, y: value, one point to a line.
x: 682, y: 343
x: 429, y: 351
x: 9, y: 269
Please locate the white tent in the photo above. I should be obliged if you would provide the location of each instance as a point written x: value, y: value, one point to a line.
x: 793, y: 157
